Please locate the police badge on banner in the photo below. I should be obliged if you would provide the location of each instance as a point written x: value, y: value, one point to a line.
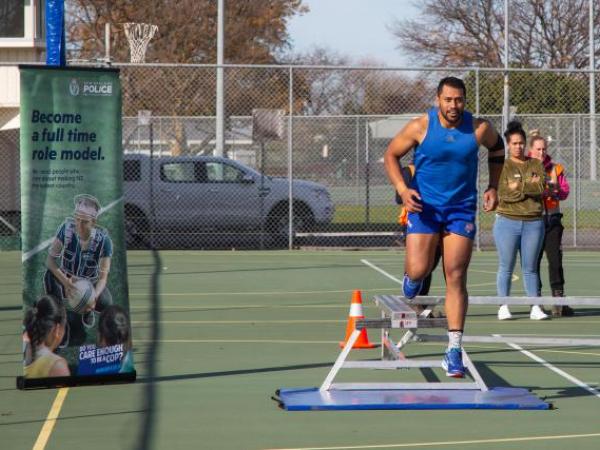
x: 76, y: 327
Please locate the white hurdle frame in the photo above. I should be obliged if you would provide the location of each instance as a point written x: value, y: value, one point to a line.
x: 396, y: 312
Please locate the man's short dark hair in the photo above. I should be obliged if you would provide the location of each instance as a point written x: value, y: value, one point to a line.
x: 454, y: 82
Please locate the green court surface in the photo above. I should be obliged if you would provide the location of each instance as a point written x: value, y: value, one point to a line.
x: 236, y: 326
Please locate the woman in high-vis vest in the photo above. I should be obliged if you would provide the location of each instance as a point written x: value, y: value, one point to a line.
x: 556, y: 190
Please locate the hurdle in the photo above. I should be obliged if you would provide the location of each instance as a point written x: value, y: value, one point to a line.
x: 397, y: 313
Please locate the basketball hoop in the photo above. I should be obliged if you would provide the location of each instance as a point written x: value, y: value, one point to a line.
x: 139, y: 35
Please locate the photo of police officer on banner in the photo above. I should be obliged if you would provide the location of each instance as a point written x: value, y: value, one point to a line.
x: 80, y: 254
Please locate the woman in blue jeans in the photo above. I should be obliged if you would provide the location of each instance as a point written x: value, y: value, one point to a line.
x: 519, y: 227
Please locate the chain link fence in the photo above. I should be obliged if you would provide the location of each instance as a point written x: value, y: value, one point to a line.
x: 322, y: 181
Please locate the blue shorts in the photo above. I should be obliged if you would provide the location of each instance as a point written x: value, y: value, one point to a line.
x: 439, y: 219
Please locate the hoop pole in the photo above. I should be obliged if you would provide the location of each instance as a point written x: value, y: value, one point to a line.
x: 107, y: 41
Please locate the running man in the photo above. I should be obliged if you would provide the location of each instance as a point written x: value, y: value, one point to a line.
x: 441, y: 199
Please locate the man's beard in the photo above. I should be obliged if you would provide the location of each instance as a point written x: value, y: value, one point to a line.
x: 453, y: 122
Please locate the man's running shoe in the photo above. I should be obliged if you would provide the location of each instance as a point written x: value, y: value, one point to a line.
x: 453, y: 364
x: 411, y: 288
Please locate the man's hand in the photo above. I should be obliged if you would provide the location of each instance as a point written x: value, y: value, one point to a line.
x: 490, y: 199
x: 411, y: 200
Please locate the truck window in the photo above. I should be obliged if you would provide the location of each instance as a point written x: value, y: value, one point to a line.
x: 223, y: 173
x: 178, y: 172
x: 132, y: 170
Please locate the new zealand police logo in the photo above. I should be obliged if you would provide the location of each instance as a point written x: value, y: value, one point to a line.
x: 74, y: 87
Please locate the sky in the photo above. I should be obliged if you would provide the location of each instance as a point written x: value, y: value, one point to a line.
x: 355, y: 28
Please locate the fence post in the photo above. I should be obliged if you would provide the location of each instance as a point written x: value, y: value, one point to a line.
x: 357, y: 162
x: 290, y: 161
x: 577, y: 142
x: 477, y: 217
x: 367, y: 174
x: 592, y: 82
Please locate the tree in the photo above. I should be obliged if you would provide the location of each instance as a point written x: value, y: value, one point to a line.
x: 326, y: 89
x: 543, y: 33
x: 255, y: 30
x: 353, y: 91
x: 532, y: 92
x: 255, y: 33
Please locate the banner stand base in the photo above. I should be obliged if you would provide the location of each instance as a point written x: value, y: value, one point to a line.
x: 57, y: 382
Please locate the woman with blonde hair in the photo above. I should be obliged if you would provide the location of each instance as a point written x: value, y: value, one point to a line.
x: 556, y: 189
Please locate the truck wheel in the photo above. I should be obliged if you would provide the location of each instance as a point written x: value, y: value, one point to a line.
x: 278, y: 224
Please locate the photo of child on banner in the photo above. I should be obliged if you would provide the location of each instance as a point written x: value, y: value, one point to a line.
x: 45, y: 323
x: 112, y: 352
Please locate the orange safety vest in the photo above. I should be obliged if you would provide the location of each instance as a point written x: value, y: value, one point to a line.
x: 552, y: 175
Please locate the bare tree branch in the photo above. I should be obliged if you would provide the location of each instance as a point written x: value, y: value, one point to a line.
x: 543, y: 33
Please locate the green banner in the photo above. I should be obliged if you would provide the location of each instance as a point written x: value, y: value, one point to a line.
x: 75, y: 291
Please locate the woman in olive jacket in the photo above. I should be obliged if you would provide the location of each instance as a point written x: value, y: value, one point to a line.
x: 519, y: 226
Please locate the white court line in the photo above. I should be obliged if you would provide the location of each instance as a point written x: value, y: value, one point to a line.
x: 339, y: 291
x: 209, y: 307
x: 569, y: 352
x: 554, y: 369
x: 381, y: 271
x: 277, y: 254
x: 44, y: 436
x: 235, y: 322
x: 233, y: 341
x: 220, y: 322
x: 553, y: 335
x: 204, y: 294
x: 273, y: 341
x: 38, y: 248
x: 435, y: 443
x: 393, y: 278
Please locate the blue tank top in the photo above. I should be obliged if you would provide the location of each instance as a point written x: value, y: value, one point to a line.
x: 446, y: 164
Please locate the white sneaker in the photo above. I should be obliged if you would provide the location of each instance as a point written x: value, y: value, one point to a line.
x: 504, y: 313
x: 537, y: 313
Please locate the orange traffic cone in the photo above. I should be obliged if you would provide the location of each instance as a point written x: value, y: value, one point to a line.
x: 356, y: 312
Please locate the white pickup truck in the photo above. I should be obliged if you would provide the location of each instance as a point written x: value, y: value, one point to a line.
x: 200, y: 193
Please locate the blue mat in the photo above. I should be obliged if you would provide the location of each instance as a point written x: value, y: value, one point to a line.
x: 310, y: 399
